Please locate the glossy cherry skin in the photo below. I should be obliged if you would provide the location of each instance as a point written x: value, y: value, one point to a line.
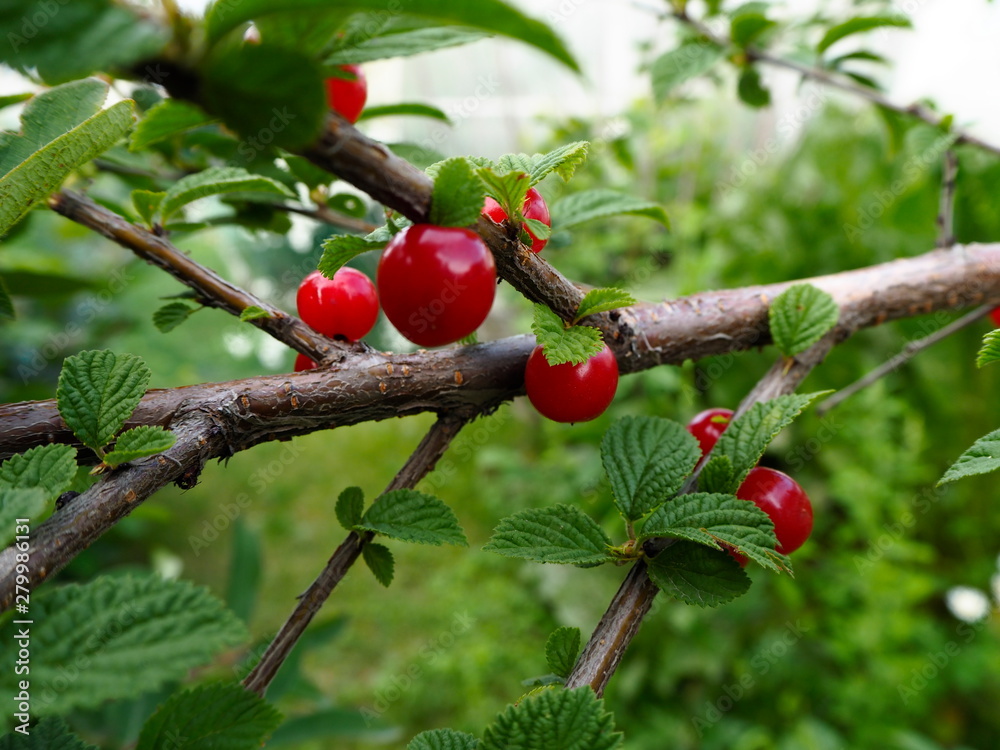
x: 348, y: 95
x: 436, y: 283
x: 786, y: 503
x: 344, y: 306
x: 995, y: 316
x: 568, y: 392
x: 534, y: 208
x: 708, y: 425
x: 303, y: 363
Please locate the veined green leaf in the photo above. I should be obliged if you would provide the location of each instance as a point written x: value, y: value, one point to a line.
x: 16, y: 503
x: 171, y: 315
x: 49, y: 467
x: 147, y: 440
x: 698, y: 575
x: 146, y: 204
x: 990, y: 350
x: 350, y: 507
x: 168, y: 118
x: 982, y: 457
x: 215, y: 181
x: 412, y: 516
x: 857, y: 26
x: 559, y: 534
x: 400, y: 36
x: 603, y: 300
x: 800, y: 316
x: 560, y: 344
x: 341, y: 248
x: 553, y: 719
x: 562, y: 650
x: 252, y: 312
x: 443, y: 739
x: 588, y: 205
x: 690, y: 60
x: 380, y: 562
x: 411, y: 109
x: 49, y: 734
x: 458, y: 196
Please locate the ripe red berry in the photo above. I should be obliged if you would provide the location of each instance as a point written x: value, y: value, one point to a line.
x: 348, y: 95
x: 787, y: 504
x: 437, y: 283
x: 303, y: 363
x: 534, y: 208
x: 568, y: 392
x: 708, y: 425
x: 345, y: 306
x: 995, y: 316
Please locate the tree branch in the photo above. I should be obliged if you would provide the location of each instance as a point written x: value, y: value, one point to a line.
x: 423, y: 459
x: 327, y: 215
x: 212, y: 289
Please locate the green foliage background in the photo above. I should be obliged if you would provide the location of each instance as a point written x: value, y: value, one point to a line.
x: 857, y: 651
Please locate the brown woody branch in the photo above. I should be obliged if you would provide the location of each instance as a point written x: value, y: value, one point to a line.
x: 327, y: 215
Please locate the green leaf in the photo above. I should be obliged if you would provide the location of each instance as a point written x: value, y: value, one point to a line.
x: 412, y: 516
x: 864, y: 55
x: 746, y: 438
x: 119, y: 636
x: 709, y: 519
x: 982, y: 457
x: 69, y: 40
x: 507, y: 188
x: 673, y: 68
x: 380, y: 562
x: 603, y: 300
x: 698, y: 575
x: 19, y: 503
x: 560, y: 344
x: 216, y: 181
x: 539, y: 229
x: 6, y: 303
x: 146, y: 204
x: 717, y: 475
x: 400, y: 36
x: 244, y: 573
x: 28, y: 181
x: 306, y: 172
x: 50, y: 467
x: 559, y: 534
x: 222, y: 716
x: 857, y: 26
x: 599, y: 204
x: 171, y: 315
x: 341, y: 248
x: 164, y: 120
x: 98, y: 391
x: 443, y: 739
x: 646, y: 460
x: 350, y: 508
x: 12, y: 99
x: 800, y: 316
x: 555, y: 718
x: 458, y: 194
x: 410, y: 109
x: 562, y: 650
x: 563, y: 161
x: 48, y: 734
x: 748, y: 22
x: 491, y: 16
x: 990, y: 350
x: 252, y: 312
x: 139, y: 442
x: 751, y: 89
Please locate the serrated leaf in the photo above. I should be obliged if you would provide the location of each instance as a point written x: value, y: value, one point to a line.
x: 751, y: 89
x: 563, y: 161
x: 717, y: 475
x: 990, y: 350
x: 556, y: 718
x: 603, y: 300
x: 48, y: 734
x: 491, y: 16
x: 42, y: 172
x: 458, y: 194
x: 560, y: 344
x: 350, y: 508
x: 588, y: 205
x: 146, y: 204
x: 709, y: 519
x: 443, y: 739
x: 252, y: 312
x: 800, y: 316
x: 164, y: 120
x: 30, y: 503
x: 393, y: 226
x: 171, y: 315
x: 49, y: 467
x: 559, y: 534
x: 400, y: 36
x: 506, y: 188
x: 857, y: 26
x: 646, y: 460
x: 562, y: 650
x: 412, y: 516
x: 409, y: 109
x: 98, y: 391
x: 698, y: 575
x: 6, y: 303
x: 223, y: 716
x: 746, y: 438
x: 119, y: 637
x: 147, y: 440
x: 539, y: 229
x: 341, y: 248
x: 380, y: 562
x: 216, y: 181
x: 982, y: 457
x: 673, y: 68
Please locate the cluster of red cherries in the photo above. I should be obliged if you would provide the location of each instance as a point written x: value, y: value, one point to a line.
x: 437, y: 286
x: 774, y: 492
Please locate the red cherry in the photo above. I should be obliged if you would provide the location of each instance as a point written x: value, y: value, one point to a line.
x: 437, y: 283
x: 787, y: 504
x: 568, y: 392
x: 303, y: 363
x: 348, y: 95
x: 708, y: 425
x: 995, y: 316
x: 345, y: 306
x: 534, y: 208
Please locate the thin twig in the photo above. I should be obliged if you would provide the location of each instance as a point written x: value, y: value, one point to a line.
x: 910, y: 351
x: 212, y: 289
x: 946, y: 216
x: 423, y: 459
x: 328, y: 216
